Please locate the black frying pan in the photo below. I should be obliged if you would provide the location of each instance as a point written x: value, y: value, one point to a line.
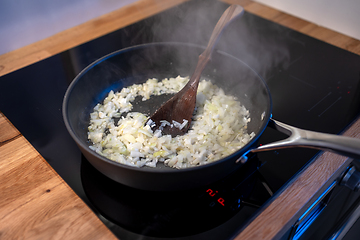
x: 137, y: 64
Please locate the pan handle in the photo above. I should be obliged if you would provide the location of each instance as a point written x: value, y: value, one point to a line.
x: 346, y: 146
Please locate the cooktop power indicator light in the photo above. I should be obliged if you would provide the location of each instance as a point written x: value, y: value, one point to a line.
x: 212, y: 193
x: 221, y: 201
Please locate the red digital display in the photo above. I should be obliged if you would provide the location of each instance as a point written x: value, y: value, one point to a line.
x: 221, y: 201
x: 212, y: 193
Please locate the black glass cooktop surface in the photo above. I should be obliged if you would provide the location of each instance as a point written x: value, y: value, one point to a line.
x: 313, y: 85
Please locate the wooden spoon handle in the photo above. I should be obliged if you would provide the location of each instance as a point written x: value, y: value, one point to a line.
x: 228, y: 16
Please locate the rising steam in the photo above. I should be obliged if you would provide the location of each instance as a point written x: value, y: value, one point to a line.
x: 242, y: 39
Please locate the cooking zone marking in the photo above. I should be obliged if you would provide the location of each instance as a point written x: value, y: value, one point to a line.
x: 320, y: 101
x: 302, y: 81
x: 330, y: 106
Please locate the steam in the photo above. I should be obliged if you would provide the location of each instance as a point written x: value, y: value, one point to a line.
x: 243, y: 38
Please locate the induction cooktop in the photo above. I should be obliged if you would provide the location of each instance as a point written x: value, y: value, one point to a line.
x: 314, y: 86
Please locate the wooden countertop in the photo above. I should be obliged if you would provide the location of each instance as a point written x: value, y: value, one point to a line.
x: 35, y: 203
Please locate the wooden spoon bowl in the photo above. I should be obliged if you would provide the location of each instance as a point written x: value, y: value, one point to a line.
x: 180, y: 107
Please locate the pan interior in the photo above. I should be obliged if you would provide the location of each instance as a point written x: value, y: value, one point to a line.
x: 163, y: 60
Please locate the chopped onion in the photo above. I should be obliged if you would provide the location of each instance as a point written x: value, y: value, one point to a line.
x: 218, y: 127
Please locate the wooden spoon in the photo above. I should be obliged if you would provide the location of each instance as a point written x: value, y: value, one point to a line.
x: 181, y: 106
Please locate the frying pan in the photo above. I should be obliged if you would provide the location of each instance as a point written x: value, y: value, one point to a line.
x: 135, y: 65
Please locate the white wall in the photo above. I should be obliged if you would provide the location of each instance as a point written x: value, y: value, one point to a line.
x: 339, y: 15
x: 26, y: 21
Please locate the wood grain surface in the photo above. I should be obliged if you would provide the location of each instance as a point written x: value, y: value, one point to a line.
x: 35, y: 203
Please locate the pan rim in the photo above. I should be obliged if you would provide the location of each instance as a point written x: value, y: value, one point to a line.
x: 242, y: 151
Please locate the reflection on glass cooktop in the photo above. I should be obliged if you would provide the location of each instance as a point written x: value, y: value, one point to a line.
x: 178, y: 213
x: 313, y: 85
